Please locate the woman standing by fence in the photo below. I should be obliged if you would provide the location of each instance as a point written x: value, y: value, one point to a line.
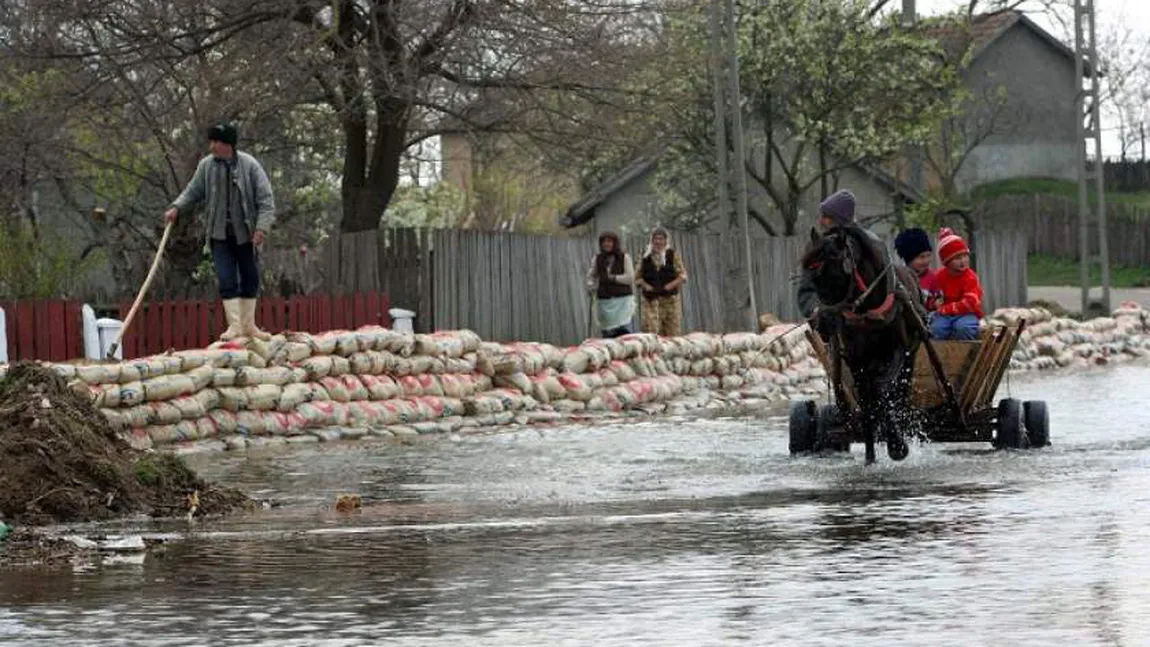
x: 611, y: 279
x: 661, y: 274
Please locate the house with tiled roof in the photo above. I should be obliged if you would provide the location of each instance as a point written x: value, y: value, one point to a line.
x: 1017, y: 122
x: 1019, y: 119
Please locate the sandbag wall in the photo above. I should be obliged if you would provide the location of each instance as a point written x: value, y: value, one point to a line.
x: 1050, y: 342
x: 307, y: 388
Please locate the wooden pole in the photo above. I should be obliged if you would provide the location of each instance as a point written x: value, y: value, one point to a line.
x: 143, y: 290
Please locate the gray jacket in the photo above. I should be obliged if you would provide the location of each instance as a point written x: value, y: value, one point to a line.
x: 259, y: 209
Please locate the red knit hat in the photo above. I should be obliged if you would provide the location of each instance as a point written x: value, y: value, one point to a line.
x: 950, y: 245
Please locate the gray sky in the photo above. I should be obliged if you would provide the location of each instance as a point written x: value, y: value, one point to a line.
x: 1112, y: 15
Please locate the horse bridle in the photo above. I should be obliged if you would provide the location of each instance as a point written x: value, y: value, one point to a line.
x: 850, y: 267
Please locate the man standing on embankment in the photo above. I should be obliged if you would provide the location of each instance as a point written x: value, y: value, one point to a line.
x: 240, y: 211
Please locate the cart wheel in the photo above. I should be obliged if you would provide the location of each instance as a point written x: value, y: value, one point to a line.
x: 1010, y: 431
x: 804, y: 426
x: 829, y: 419
x: 1037, y: 423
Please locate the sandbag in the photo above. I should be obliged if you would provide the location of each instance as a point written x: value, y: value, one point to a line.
x: 223, y: 377
x: 225, y: 421
x: 292, y: 396
x: 189, y: 407
x: 250, y: 423
x: 167, y: 387
x: 99, y: 375
x: 276, y: 375
x: 576, y: 386
x: 381, y: 387
x: 356, y: 390
x: 336, y: 389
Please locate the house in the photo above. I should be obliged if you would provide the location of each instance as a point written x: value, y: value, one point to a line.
x: 1020, y: 119
x: 1018, y: 122
x: 628, y: 201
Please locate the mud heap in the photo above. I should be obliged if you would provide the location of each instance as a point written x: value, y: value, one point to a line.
x: 61, y: 461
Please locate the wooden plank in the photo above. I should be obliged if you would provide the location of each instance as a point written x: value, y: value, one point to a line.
x: 372, y: 306
x: 358, y: 310
x: 204, y: 323
x: 295, y: 313
x: 166, y: 324
x: 279, y: 315
x: 25, y: 314
x: 57, y: 329
x: 131, y: 345
x: 322, y: 311
x: 42, y: 333
x: 219, y: 319
x: 151, y: 329
x: 73, y: 330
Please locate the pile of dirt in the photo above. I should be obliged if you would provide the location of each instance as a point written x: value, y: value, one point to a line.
x: 60, y: 461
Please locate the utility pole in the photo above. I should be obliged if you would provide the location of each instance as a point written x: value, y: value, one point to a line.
x: 739, y: 167
x: 1142, y: 136
x: 718, y: 92
x: 738, y: 295
x: 1089, y: 129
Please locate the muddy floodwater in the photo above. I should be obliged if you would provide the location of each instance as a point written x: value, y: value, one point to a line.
x: 649, y: 533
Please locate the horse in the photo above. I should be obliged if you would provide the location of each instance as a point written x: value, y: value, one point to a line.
x: 865, y: 312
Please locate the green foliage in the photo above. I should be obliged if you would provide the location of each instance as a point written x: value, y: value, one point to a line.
x: 41, y: 267
x: 1048, y: 186
x: 817, y: 78
x: 1052, y: 270
x: 440, y: 205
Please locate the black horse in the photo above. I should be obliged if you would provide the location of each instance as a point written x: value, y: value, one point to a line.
x: 866, y: 312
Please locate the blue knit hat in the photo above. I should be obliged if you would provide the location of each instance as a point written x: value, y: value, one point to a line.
x: 912, y: 242
x: 839, y: 207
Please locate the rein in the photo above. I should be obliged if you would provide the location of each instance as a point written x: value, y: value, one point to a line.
x: 847, y: 307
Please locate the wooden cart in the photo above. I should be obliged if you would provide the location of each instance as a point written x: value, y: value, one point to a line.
x: 953, y: 395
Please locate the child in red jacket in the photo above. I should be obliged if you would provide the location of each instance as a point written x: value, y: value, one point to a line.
x: 961, y: 310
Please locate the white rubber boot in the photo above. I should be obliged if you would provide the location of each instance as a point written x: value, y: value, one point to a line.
x: 249, y: 321
x: 232, y: 311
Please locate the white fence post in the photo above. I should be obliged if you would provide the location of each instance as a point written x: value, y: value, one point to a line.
x: 91, y: 334
x: 3, y: 338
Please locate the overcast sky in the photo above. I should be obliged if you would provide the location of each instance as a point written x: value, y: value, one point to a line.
x: 1132, y: 14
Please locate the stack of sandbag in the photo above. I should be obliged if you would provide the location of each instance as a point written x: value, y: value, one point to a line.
x: 177, y: 396
x: 1050, y: 342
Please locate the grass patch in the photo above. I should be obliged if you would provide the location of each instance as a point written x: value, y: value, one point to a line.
x: 1047, y: 186
x: 1051, y: 270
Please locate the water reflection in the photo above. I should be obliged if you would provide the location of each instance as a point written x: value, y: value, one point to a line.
x: 699, y: 533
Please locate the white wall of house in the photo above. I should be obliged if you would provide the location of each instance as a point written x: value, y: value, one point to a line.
x: 1038, y: 138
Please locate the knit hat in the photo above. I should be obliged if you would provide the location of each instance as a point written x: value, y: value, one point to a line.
x: 950, y: 245
x: 839, y: 207
x: 224, y: 132
x: 910, y: 243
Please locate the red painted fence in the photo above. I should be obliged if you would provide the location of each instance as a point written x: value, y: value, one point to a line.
x: 43, y: 329
x: 52, y: 330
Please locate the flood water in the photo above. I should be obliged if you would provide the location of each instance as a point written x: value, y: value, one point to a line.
x: 652, y: 533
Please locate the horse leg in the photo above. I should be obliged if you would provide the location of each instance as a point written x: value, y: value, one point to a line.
x: 895, y: 399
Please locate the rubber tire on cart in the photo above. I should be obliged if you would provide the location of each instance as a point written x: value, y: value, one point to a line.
x: 1010, y: 432
x: 1037, y: 423
x: 804, y: 426
x: 829, y: 418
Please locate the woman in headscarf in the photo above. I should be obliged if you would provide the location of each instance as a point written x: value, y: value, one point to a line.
x: 611, y: 279
x: 661, y: 274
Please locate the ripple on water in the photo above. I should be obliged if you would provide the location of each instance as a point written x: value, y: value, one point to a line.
x: 694, y: 533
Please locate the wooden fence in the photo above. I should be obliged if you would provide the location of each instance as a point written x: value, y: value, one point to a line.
x: 43, y: 329
x: 1051, y: 224
x: 52, y: 330
x: 508, y: 286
